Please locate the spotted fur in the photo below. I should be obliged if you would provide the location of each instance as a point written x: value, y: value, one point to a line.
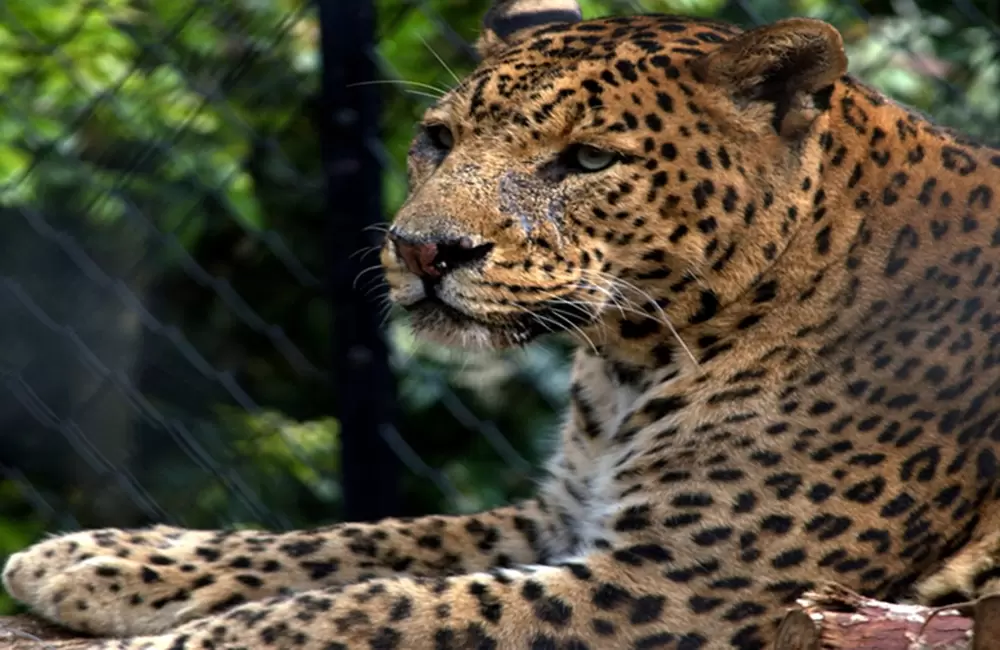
x: 786, y: 290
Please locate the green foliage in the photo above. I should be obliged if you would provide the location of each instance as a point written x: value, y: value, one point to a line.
x: 107, y: 80
x: 306, y: 452
x: 168, y: 146
x: 19, y: 526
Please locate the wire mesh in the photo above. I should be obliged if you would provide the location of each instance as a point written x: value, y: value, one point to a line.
x: 164, y: 350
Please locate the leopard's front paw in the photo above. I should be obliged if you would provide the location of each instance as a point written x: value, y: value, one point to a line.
x: 120, y: 583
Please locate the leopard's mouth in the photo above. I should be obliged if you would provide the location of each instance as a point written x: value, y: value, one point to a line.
x: 432, y: 303
x: 434, y: 319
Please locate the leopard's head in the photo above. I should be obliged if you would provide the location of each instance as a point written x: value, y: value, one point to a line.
x: 607, y: 176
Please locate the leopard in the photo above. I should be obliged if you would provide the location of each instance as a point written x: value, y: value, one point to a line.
x: 783, y: 289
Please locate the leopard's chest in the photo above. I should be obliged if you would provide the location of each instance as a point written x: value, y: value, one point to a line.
x: 589, y: 486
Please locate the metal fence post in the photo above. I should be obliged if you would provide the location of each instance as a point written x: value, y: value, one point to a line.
x: 365, y: 391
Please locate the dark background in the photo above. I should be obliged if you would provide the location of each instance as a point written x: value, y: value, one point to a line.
x: 190, y: 304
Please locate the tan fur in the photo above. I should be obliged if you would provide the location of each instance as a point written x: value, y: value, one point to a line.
x: 491, y: 42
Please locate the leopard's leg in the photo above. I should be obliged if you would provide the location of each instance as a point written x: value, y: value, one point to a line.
x: 609, y: 600
x: 971, y: 573
x: 119, y: 582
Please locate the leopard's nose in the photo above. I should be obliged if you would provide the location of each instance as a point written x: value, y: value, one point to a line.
x: 431, y: 258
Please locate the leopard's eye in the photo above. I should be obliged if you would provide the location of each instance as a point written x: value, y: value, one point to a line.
x: 440, y: 136
x: 591, y: 159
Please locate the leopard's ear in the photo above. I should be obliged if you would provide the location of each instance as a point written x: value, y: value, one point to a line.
x: 786, y: 63
x: 506, y: 19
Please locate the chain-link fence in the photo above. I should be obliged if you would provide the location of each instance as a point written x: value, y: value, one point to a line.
x: 189, y: 210
x: 161, y: 293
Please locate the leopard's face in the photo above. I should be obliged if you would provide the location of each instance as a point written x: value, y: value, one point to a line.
x: 588, y: 173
